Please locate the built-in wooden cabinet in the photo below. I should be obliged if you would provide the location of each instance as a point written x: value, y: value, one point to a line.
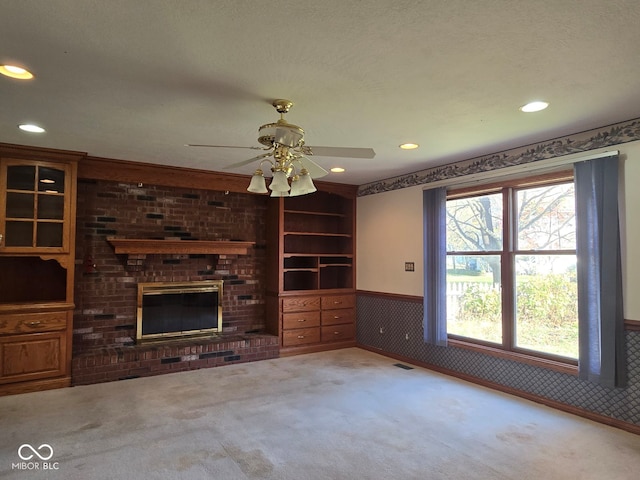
x: 37, y: 246
x: 311, y: 271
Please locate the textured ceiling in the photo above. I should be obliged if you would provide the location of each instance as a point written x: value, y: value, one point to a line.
x: 138, y: 79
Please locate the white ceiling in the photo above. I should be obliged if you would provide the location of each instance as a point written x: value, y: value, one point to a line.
x: 138, y: 79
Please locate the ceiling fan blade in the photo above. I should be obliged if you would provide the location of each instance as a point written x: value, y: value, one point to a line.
x: 346, y: 152
x: 246, y: 162
x: 220, y: 146
x: 315, y: 170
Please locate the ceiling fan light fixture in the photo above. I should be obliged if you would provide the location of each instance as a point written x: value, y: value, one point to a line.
x: 279, y: 182
x: 337, y: 170
x: 258, y: 184
x: 409, y: 146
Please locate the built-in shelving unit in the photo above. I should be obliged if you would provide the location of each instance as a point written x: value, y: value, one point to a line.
x: 311, y: 282
x: 37, y: 252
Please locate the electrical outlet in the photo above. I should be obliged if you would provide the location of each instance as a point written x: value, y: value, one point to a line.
x: 409, y: 267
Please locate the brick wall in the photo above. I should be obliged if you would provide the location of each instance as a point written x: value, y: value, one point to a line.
x: 106, y: 283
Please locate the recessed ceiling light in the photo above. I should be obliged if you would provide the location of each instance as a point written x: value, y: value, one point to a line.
x: 14, y: 71
x: 337, y: 169
x: 31, y: 128
x: 534, y: 106
x: 409, y: 146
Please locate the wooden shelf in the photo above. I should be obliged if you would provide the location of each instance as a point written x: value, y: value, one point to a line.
x: 315, y: 213
x: 319, y: 234
x: 146, y: 246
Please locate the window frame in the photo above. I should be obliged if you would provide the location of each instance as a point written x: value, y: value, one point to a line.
x: 508, y: 254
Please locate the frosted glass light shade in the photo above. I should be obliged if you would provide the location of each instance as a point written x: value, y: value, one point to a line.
x: 258, y: 184
x: 306, y: 184
x: 279, y: 194
x: 279, y: 182
x: 296, y: 187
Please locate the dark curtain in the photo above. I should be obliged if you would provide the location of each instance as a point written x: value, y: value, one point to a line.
x: 435, y: 266
x: 600, y: 310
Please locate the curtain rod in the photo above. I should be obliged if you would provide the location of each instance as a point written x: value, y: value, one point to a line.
x: 538, y: 166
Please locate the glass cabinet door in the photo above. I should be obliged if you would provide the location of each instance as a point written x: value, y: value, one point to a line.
x: 34, y: 210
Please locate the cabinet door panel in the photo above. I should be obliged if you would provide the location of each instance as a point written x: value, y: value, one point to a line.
x: 29, y: 357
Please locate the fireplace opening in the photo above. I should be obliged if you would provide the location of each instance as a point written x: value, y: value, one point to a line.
x: 169, y: 310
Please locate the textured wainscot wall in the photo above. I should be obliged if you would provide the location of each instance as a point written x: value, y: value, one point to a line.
x: 389, y: 299
x: 106, y: 284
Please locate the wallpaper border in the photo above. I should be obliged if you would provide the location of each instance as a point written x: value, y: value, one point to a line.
x: 616, y: 134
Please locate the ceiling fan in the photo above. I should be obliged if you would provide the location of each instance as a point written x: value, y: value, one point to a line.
x: 284, y: 142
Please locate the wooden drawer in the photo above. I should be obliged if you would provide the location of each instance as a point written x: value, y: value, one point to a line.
x: 32, y: 322
x: 338, y: 316
x: 300, y: 336
x: 330, y: 302
x: 301, y: 304
x: 339, y: 332
x: 300, y: 320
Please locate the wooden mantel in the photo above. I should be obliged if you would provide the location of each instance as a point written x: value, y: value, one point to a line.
x: 142, y: 246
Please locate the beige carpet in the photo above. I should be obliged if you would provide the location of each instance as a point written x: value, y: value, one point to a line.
x: 347, y: 414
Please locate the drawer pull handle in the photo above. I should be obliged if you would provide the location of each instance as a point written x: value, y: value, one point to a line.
x: 300, y: 336
x: 302, y: 319
x: 337, y: 302
x: 34, y: 323
x: 336, y: 333
x: 336, y: 316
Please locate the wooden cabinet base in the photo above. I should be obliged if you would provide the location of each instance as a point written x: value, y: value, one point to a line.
x: 322, y: 347
x: 34, y: 386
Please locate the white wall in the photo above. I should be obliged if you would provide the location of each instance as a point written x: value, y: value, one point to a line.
x: 389, y: 233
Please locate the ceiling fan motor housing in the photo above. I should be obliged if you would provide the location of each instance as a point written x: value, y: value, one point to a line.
x: 281, y: 133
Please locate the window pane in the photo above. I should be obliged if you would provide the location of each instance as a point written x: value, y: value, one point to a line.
x: 20, y: 205
x: 21, y: 177
x: 19, y: 234
x: 547, y: 304
x: 49, y: 235
x: 546, y: 218
x: 51, y: 207
x: 475, y: 224
x: 50, y: 180
x: 474, y: 299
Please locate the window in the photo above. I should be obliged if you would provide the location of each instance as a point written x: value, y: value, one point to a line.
x: 511, y: 267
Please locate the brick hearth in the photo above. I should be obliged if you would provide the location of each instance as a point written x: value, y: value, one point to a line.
x: 125, y: 362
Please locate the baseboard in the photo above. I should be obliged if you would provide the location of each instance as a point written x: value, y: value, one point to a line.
x: 323, y: 347
x: 596, y: 417
x: 34, y: 386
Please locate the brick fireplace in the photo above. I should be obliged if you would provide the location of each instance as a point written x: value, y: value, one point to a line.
x: 104, y: 341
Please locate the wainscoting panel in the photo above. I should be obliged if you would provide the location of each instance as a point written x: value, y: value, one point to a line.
x: 393, y: 325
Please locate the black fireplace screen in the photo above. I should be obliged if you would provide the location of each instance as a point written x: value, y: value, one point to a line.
x: 179, y: 309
